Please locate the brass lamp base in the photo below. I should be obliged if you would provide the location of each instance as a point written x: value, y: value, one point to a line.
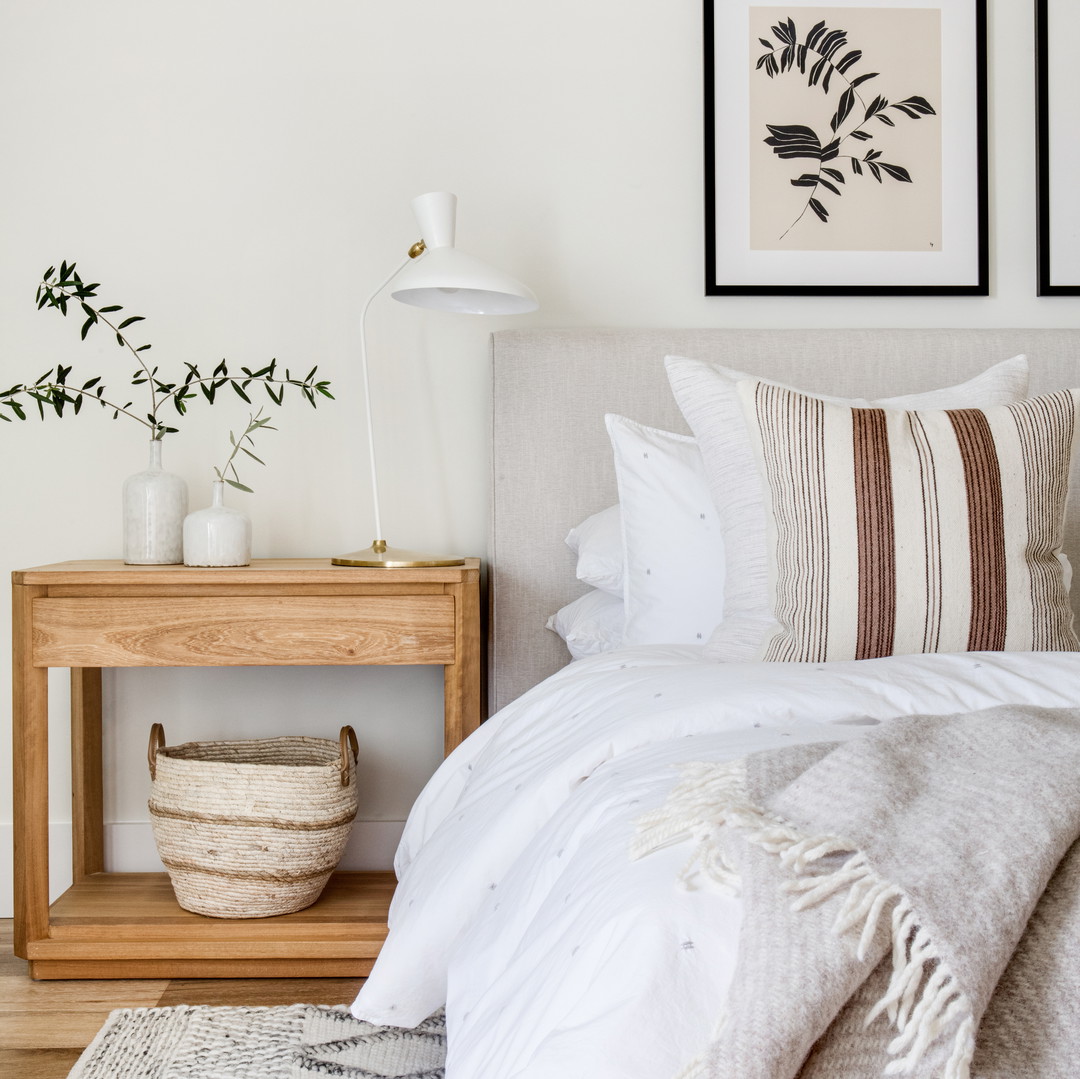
x: 380, y: 556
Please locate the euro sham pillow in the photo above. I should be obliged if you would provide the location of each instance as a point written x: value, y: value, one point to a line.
x: 706, y: 395
x: 895, y: 531
x: 597, y: 542
x: 673, y: 587
x: 590, y: 624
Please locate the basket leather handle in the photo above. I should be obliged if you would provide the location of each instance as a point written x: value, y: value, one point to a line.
x: 157, y: 740
x: 347, y: 740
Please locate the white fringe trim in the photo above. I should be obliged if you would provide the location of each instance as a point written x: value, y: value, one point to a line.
x: 922, y: 1001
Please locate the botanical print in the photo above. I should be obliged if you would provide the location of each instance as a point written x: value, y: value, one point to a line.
x: 837, y: 159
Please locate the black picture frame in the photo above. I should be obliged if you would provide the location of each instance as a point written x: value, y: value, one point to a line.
x: 1058, y: 246
x: 735, y: 264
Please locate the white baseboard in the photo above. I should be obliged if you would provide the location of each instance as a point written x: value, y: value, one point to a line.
x: 129, y: 848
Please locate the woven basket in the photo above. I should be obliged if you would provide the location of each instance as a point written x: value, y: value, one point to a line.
x: 250, y: 829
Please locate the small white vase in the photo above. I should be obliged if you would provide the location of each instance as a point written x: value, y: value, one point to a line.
x: 217, y: 535
x: 155, y: 502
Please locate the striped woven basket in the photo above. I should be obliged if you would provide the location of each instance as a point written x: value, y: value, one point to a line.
x: 254, y: 828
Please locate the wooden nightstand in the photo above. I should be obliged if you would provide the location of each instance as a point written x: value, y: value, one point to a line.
x: 289, y: 612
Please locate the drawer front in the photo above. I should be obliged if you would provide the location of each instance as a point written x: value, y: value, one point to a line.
x: 243, y: 631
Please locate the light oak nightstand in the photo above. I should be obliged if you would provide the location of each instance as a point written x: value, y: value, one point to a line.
x: 287, y: 612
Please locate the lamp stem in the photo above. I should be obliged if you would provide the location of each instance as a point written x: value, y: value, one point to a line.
x: 367, y: 399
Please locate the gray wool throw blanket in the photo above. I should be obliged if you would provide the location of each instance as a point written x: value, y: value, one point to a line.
x: 912, y: 899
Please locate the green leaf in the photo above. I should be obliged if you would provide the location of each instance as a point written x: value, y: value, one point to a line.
x: 240, y: 393
x: 129, y: 320
x: 239, y: 486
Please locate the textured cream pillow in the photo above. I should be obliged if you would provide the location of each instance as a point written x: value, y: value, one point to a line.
x: 894, y: 532
x: 706, y: 394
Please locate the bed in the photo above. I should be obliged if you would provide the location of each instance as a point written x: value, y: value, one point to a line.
x: 551, y: 895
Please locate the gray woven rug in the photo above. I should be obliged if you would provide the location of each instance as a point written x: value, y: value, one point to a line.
x: 300, y: 1041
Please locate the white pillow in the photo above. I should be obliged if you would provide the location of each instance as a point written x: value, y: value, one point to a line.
x: 598, y: 544
x: 707, y: 396
x: 590, y: 624
x: 673, y: 592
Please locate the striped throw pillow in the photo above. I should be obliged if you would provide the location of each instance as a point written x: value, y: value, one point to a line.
x: 894, y: 532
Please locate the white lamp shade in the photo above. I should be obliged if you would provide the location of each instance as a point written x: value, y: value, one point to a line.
x: 445, y: 279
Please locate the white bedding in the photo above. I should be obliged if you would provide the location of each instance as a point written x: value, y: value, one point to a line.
x: 518, y: 904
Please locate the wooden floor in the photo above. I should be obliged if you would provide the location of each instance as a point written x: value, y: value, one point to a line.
x: 45, y: 1025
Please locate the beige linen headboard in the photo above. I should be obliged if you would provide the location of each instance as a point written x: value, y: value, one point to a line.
x: 551, y: 461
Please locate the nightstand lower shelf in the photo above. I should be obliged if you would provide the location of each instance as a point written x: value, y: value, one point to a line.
x: 129, y: 925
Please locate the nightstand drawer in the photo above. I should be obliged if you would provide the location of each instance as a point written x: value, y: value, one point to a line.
x: 243, y: 630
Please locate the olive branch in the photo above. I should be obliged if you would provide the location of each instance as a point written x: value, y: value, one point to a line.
x: 816, y: 58
x: 52, y: 392
x: 256, y: 422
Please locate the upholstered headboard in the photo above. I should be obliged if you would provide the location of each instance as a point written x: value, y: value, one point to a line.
x: 551, y: 460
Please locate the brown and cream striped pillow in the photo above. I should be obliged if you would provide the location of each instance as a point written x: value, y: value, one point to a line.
x: 894, y: 532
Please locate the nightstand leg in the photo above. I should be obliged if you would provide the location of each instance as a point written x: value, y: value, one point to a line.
x: 87, y: 809
x: 30, y: 775
x: 461, y: 680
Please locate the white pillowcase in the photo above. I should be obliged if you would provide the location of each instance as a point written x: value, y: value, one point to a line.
x: 673, y: 589
x: 591, y: 624
x: 707, y: 396
x: 598, y: 544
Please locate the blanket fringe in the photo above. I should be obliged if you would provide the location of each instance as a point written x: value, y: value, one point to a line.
x: 922, y: 1001
x: 709, y: 797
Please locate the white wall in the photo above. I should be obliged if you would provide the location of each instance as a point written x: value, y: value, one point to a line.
x: 239, y: 172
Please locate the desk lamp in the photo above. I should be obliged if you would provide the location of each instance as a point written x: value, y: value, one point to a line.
x: 436, y: 275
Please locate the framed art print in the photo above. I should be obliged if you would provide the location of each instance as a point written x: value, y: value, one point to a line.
x: 1057, y: 24
x: 845, y: 147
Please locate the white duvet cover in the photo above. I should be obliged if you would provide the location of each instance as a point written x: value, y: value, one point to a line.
x: 518, y: 905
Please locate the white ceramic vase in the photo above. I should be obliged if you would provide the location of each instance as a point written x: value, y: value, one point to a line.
x: 154, y: 505
x: 217, y: 535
